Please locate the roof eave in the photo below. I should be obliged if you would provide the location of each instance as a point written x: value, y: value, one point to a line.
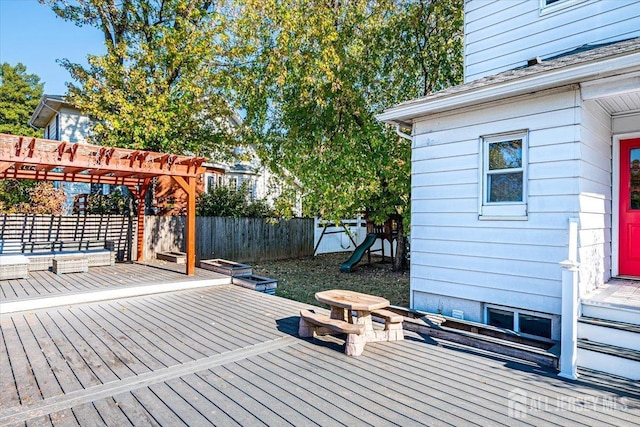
x: 408, y: 112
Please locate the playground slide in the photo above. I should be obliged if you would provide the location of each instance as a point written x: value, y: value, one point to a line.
x: 356, y: 256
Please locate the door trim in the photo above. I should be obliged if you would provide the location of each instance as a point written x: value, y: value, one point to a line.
x: 615, y: 199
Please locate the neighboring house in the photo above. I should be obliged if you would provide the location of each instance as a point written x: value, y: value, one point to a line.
x: 61, y: 121
x: 543, y: 131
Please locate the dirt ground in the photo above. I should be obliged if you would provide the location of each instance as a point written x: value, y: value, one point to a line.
x: 300, y: 279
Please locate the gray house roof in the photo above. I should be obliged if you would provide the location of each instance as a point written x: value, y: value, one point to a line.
x: 48, y: 106
x: 585, y: 62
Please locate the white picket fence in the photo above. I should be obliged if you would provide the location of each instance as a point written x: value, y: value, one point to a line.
x: 331, y: 238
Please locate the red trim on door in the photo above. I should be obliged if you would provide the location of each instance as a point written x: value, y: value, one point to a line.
x: 629, y: 233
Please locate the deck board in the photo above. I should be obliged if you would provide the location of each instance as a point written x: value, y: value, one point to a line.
x: 132, y: 410
x: 210, y: 409
x: 224, y: 355
x: 46, y: 380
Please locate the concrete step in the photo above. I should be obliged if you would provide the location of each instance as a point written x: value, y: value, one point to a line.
x: 617, y: 313
x: 621, y: 334
x: 614, y: 360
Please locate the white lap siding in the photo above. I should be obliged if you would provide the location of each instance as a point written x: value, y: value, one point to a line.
x: 595, y: 197
x: 461, y: 262
x: 501, y: 35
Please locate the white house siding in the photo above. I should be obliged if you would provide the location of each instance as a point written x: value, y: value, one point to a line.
x: 502, y: 35
x: 594, y: 252
x: 461, y: 262
x: 74, y: 127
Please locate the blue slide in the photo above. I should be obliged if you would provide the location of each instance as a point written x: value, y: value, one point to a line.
x: 356, y: 256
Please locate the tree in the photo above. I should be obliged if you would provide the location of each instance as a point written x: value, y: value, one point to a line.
x: 159, y: 85
x: 315, y: 73
x: 30, y: 197
x: 19, y: 95
x: 228, y: 201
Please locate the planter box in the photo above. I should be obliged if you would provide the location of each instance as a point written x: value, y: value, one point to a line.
x: 257, y: 283
x: 223, y: 266
x: 177, y: 257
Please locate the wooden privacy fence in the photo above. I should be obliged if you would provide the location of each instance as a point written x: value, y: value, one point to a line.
x: 119, y: 229
x: 236, y: 239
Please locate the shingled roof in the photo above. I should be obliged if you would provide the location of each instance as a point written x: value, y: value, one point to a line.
x: 583, y: 55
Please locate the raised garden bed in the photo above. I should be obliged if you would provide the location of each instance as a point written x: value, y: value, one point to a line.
x: 257, y: 283
x: 223, y: 266
x: 177, y: 257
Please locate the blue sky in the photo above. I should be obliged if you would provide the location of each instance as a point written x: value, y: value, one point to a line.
x: 32, y: 34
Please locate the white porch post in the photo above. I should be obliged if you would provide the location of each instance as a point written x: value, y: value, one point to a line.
x: 570, y: 303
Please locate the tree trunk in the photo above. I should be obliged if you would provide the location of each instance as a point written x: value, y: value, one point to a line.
x: 400, y: 263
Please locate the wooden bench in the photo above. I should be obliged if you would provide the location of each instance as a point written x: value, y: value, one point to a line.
x: 313, y: 324
x: 392, y: 324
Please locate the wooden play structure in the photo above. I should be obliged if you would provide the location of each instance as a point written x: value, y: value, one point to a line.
x: 388, y: 231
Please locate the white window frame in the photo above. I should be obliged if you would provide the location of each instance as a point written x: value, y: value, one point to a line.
x: 559, y: 5
x: 210, y: 181
x: 234, y: 183
x: 516, y: 319
x: 502, y: 210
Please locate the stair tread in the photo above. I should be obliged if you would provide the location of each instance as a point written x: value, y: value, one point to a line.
x: 623, y: 326
x: 613, y: 350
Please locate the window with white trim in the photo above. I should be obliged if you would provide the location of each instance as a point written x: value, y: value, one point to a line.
x: 524, y: 322
x: 549, y: 6
x: 504, y: 176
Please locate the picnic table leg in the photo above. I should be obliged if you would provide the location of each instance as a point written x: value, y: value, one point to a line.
x: 339, y: 313
x: 364, y: 318
x: 354, y: 345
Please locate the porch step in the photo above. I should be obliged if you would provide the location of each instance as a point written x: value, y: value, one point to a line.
x: 616, y: 313
x: 611, y: 359
x: 609, y: 332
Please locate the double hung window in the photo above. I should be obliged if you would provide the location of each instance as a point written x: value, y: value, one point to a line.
x: 504, y: 176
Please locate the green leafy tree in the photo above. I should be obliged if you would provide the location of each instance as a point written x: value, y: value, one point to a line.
x: 19, y: 95
x: 159, y: 85
x: 227, y: 201
x: 31, y: 197
x: 312, y: 78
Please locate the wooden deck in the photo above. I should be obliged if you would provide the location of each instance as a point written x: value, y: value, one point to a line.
x: 45, y: 289
x: 224, y: 355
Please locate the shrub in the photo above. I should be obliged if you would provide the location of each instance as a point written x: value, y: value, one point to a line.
x: 229, y: 202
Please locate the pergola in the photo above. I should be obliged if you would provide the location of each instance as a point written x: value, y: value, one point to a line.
x: 24, y: 157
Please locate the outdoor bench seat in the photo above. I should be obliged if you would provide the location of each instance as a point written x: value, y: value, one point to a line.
x: 42, y: 254
x: 392, y: 323
x: 313, y: 324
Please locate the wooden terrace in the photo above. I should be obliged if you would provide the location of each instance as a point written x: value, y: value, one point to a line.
x: 219, y: 354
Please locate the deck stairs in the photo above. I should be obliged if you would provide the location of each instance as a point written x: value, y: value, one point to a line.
x: 609, y: 338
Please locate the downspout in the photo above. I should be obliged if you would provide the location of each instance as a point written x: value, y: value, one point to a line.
x: 402, y: 134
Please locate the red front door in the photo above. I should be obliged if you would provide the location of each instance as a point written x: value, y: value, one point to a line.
x: 629, y: 207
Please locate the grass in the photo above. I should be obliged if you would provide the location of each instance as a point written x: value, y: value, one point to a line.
x: 300, y: 279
